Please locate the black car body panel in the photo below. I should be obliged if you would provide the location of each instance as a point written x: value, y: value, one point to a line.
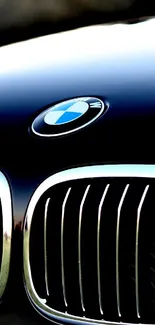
x: 113, y: 63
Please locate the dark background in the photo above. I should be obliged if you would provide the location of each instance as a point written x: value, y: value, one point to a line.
x: 20, y: 20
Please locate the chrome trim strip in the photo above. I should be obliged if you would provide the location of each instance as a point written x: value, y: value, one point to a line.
x: 136, y: 250
x: 5, y: 198
x: 79, y: 246
x: 62, y: 247
x: 117, y: 248
x: 137, y: 171
x: 45, y: 245
x: 98, y: 247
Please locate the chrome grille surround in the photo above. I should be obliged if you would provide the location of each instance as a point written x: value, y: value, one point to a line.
x: 6, y: 208
x: 116, y: 171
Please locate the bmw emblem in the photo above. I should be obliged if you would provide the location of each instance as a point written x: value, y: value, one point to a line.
x: 68, y: 116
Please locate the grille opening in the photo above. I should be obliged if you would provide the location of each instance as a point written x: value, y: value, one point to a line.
x: 127, y: 240
x: 53, y: 237
x: 76, y: 294
x: 71, y: 223
x: 37, y: 248
x: 108, y: 250
x: 147, y: 258
x: 89, y: 251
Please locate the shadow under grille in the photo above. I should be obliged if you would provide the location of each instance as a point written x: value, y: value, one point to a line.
x: 92, y: 248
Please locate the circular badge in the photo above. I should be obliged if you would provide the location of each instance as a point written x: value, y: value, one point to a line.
x: 68, y: 116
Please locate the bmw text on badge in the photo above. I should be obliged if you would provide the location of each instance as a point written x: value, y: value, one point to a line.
x: 68, y: 116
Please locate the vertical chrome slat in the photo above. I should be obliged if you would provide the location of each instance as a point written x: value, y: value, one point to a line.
x: 79, y: 246
x: 117, y: 249
x: 62, y: 246
x: 45, y: 245
x: 98, y: 248
x: 136, y: 250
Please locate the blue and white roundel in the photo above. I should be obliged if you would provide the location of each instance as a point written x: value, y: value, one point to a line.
x: 68, y: 116
x: 65, y: 113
